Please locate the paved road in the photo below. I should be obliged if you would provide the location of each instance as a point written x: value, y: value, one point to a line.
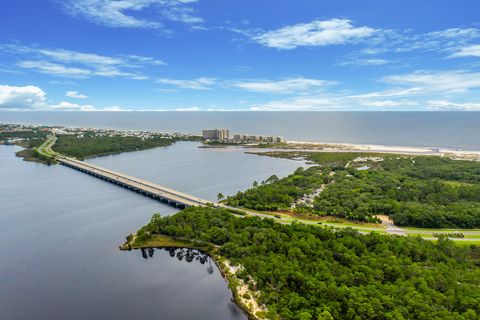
x: 45, y: 149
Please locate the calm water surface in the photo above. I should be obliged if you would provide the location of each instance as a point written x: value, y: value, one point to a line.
x: 421, y: 129
x: 60, y: 230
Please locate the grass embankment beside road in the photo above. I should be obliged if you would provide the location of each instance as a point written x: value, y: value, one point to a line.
x: 290, y: 217
x: 470, y: 236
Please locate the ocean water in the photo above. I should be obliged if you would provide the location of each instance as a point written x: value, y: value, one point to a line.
x: 422, y: 129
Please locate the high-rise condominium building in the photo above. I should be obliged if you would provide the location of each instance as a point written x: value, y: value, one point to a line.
x: 216, y: 134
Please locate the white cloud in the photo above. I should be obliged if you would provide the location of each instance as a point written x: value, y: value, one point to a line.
x: 366, y: 62
x: 314, y: 33
x: 146, y: 60
x: 388, y: 103
x: 445, y: 105
x: 388, y: 93
x: 443, y: 81
x: 113, y: 72
x: 188, y: 109
x: 75, y: 64
x: 419, y: 90
x: 296, y: 104
x: 55, y: 69
x: 33, y: 98
x: 290, y: 85
x: 130, y: 13
x: 113, y: 108
x: 75, y: 94
x: 468, y: 51
x: 79, y: 57
x: 202, y: 83
x: 26, y: 97
x: 442, y: 41
x: 68, y: 106
x: 282, y: 86
x: 336, y: 101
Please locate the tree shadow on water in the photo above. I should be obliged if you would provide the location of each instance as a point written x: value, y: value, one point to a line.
x: 182, y: 254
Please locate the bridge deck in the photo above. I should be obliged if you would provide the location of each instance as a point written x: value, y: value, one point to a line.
x: 140, y: 185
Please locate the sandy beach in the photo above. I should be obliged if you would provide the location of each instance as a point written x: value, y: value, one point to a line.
x: 348, y: 147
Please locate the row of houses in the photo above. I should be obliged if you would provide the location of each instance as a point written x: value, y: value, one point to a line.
x: 247, y: 138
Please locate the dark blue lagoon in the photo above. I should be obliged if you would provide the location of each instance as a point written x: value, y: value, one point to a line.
x: 60, y: 231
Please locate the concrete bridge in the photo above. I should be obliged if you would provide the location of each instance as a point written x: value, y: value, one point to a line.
x: 156, y: 191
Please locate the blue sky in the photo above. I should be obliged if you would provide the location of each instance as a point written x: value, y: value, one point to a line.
x: 211, y: 55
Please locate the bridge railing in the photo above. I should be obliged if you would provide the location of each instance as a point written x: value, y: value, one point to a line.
x: 117, y: 176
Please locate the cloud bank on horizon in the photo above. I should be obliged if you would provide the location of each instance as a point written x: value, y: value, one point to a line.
x: 195, y: 55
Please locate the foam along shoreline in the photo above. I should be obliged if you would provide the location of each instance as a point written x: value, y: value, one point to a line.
x: 348, y: 147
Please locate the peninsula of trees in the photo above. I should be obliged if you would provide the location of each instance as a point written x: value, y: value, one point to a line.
x: 305, y: 272
x: 83, y: 143
x: 92, y: 145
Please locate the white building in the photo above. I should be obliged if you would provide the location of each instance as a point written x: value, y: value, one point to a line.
x: 216, y: 134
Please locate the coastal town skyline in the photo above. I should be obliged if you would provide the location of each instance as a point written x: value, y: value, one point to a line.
x: 189, y: 55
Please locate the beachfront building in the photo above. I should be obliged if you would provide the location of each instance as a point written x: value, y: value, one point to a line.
x: 224, y: 135
x: 241, y: 138
x: 216, y: 134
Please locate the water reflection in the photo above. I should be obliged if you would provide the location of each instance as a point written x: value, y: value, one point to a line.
x: 182, y: 254
x: 48, y: 212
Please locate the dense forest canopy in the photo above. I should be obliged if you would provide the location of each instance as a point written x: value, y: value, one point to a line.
x: 421, y: 191
x: 92, y: 144
x: 308, y: 272
x: 32, y: 138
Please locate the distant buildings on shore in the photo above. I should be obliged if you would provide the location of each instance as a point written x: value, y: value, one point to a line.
x: 223, y: 135
x: 248, y: 138
x: 81, y: 132
x: 216, y: 134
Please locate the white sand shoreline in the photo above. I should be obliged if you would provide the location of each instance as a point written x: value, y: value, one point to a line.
x: 306, y: 146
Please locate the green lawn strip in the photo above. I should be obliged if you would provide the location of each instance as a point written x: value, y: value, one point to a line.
x: 420, y: 230
x: 44, y: 150
x: 474, y: 237
x: 288, y: 219
x: 320, y: 220
x: 424, y: 233
x: 466, y: 236
x: 467, y: 243
x: 459, y: 242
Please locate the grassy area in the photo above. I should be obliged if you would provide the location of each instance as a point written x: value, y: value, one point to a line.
x: 318, y: 221
x: 421, y: 230
x: 467, y: 243
x: 288, y: 217
x: 431, y: 234
x: 44, y: 151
